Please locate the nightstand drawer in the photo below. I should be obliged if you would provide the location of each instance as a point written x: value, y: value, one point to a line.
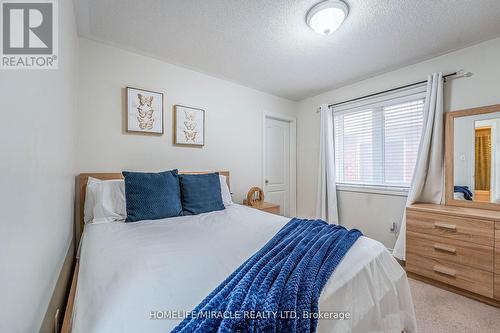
x: 471, y: 279
x: 452, y: 227
x: 272, y: 210
x: 265, y: 207
x: 453, y: 251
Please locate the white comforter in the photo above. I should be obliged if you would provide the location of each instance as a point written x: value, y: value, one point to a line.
x: 128, y: 270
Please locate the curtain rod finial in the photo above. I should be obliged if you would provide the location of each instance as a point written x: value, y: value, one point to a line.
x: 462, y: 73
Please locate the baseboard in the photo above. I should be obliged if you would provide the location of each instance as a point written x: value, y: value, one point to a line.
x: 60, y: 295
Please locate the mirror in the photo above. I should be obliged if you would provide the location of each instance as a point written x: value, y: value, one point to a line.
x: 474, y: 136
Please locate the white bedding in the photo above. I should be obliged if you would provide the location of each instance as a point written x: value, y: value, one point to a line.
x: 128, y: 270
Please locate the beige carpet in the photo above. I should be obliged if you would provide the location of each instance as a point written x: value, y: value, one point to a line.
x: 440, y: 311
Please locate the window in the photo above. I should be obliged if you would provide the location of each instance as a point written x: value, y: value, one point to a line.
x: 377, y: 141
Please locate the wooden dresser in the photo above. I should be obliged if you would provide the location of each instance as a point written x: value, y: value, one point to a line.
x: 455, y: 248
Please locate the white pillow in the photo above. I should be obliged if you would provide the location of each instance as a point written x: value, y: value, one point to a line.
x: 105, y: 201
x: 88, y: 208
x: 224, y: 190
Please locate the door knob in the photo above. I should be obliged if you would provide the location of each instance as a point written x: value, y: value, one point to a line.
x: 267, y: 181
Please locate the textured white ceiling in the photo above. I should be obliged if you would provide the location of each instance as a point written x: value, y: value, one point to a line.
x: 266, y: 44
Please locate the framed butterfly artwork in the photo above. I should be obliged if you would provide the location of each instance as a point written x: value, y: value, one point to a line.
x: 144, y: 111
x: 189, y: 126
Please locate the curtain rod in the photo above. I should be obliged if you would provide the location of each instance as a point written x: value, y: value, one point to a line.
x: 456, y: 74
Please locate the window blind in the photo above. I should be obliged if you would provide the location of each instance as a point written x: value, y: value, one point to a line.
x: 376, y: 144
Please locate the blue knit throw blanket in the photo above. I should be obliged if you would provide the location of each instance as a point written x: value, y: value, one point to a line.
x: 272, y: 290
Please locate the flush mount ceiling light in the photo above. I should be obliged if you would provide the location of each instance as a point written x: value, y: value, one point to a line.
x: 327, y: 16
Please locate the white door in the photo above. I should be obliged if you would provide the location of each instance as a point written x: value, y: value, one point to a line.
x: 277, y: 164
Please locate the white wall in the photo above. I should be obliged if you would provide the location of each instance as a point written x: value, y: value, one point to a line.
x: 37, y: 163
x: 463, y: 154
x: 234, y: 118
x: 373, y: 214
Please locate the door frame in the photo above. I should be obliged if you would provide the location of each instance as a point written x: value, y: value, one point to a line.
x: 293, y: 155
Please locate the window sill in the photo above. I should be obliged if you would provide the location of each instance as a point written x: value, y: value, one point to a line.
x: 400, y: 192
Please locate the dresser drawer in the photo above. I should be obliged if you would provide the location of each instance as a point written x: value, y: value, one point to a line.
x: 497, y: 273
x: 497, y: 260
x: 474, y: 280
x: 497, y: 236
x: 452, y: 227
x: 450, y: 250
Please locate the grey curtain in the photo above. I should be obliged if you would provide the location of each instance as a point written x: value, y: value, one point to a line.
x: 326, y: 199
x: 428, y: 179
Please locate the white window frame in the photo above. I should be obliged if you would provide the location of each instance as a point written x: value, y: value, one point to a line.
x: 394, y: 97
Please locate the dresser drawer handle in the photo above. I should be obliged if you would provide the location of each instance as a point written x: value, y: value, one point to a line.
x: 445, y: 271
x: 445, y: 248
x: 445, y: 226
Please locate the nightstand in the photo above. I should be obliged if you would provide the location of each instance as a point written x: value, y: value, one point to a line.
x: 266, y: 207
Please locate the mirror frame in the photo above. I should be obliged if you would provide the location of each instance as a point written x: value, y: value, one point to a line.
x: 450, y: 168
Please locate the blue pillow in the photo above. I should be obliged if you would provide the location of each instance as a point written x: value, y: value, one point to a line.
x: 151, y: 196
x: 200, y: 193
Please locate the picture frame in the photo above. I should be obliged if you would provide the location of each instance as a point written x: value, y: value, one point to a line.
x: 189, y: 126
x: 145, y: 110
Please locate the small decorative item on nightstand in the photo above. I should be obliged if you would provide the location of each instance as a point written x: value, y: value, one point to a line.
x: 255, y: 199
x: 255, y: 196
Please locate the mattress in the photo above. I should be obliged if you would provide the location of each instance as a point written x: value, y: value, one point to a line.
x: 131, y: 272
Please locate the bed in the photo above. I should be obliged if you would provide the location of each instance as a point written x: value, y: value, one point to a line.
x: 130, y: 275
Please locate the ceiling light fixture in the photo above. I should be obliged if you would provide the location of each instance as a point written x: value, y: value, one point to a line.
x: 327, y: 16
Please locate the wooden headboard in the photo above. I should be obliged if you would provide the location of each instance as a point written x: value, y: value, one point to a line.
x: 81, y: 190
